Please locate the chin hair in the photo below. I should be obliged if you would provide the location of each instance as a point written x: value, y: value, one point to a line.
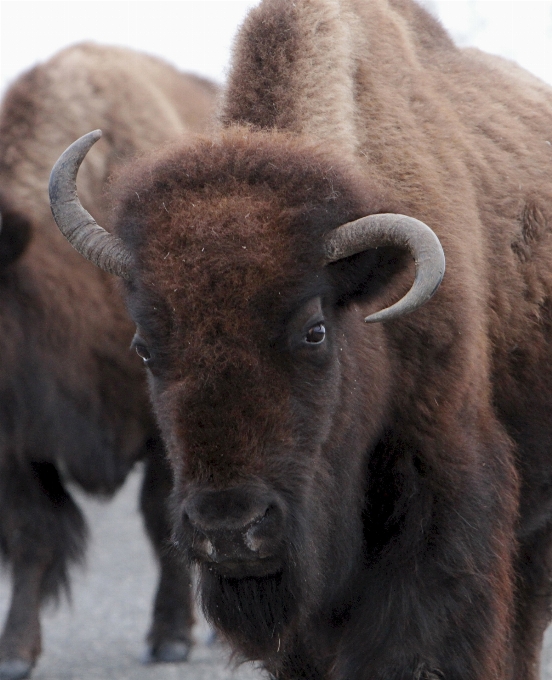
x: 251, y: 612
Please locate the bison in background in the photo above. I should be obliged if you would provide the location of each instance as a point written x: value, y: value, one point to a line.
x: 365, y: 502
x: 73, y: 401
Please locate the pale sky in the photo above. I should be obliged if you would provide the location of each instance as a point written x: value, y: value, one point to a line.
x: 196, y: 35
x: 518, y: 29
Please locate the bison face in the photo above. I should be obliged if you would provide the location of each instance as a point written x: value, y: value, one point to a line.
x: 262, y: 407
x: 245, y: 413
x: 247, y: 420
x: 266, y: 410
x: 269, y: 389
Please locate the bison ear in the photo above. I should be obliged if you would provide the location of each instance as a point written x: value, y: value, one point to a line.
x: 366, y: 274
x: 15, y: 234
x: 387, y: 232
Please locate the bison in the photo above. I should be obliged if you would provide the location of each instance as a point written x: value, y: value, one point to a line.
x: 74, y: 402
x: 364, y: 501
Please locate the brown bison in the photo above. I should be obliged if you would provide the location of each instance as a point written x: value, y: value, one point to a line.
x: 73, y: 399
x: 365, y: 502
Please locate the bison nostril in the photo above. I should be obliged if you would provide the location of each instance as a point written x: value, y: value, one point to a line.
x: 257, y: 530
x: 201, y: 542
x: 209, y: 549
x: 252, y: 541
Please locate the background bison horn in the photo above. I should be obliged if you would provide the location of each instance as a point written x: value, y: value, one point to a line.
x: 399, y: 231
x: 76, y: 224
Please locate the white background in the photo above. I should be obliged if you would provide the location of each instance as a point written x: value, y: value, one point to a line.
x: 196, y: 35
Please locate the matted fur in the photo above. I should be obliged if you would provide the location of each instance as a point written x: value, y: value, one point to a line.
x: 404, y: 467
x: 74, y: 404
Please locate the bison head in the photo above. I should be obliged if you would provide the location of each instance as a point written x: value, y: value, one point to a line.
x: 248, y: 264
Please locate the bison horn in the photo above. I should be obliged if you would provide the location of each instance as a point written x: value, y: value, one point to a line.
x: 76, y: 224
x: 399, y: 231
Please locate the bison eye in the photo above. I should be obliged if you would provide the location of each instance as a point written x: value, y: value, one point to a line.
x: 141, y: 349
x: 316, y: 334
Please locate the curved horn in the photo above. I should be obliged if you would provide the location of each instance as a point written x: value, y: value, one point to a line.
x: 76, y: 224
x: 402, y: 232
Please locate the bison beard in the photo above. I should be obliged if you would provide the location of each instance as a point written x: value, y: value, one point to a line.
x: 254, y: 615
x: 252, y: 612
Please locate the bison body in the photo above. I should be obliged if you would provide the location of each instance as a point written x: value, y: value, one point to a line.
x: 73, y: 402
x: 364, y: 501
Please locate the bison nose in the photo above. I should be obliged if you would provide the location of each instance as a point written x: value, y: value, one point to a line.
x: 232, y: 524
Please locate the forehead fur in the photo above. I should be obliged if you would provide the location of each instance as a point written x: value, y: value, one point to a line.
x: 243, y: 201
x: 235, y: 224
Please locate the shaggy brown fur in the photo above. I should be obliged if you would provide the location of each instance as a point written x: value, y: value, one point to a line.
x: 73, y: 400
x: 375, y: 505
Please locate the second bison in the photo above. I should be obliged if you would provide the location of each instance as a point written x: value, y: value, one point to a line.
x: 73, y: 401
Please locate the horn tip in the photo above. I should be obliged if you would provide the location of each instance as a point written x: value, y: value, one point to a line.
x: 373, y: 318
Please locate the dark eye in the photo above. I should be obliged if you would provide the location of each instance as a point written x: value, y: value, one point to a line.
x: 316, y: 334
x: 141, y: 349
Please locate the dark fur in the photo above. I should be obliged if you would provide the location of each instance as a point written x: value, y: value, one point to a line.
x: 73, y: 402
x: 404, y: 467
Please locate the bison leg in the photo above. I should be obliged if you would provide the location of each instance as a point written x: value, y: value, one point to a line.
x: 533, y: 602
x: 41, y: 531
x: 20, y: 641
x: 170, y: 635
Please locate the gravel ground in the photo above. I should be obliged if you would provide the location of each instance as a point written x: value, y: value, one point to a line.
x: 546, y: 668
x: 100, y: 635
